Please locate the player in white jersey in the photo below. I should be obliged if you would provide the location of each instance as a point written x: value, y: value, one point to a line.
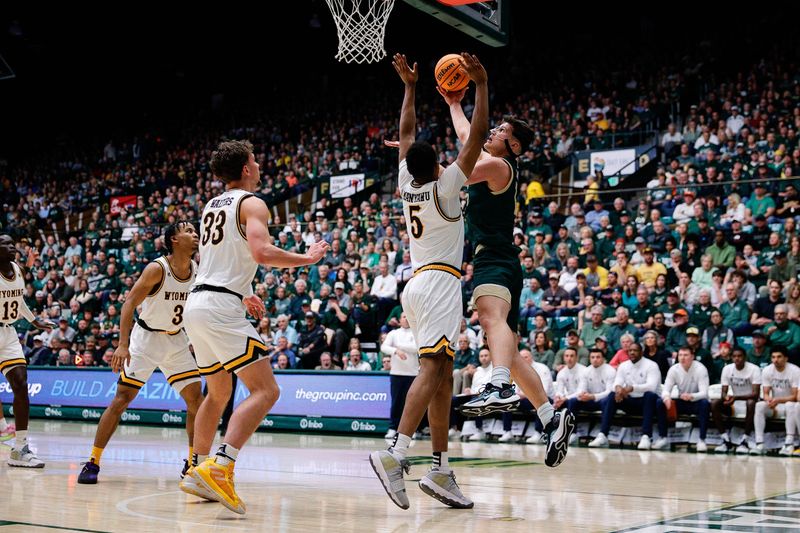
x: 691, y: 379
x: 12, y: 361
x: 741, y: 383
x: 432, y: 298
x: 233, y: 241
x: 779, y: 382
x: 157, y: 340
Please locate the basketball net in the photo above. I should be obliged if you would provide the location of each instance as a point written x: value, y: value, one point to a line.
x: 361, y: 25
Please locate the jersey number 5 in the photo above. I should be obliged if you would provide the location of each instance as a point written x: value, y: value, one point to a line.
x: 213, y: 224
x: 416, y: 224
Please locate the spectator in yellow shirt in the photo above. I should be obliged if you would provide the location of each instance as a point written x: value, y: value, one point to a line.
x: 649, y: 270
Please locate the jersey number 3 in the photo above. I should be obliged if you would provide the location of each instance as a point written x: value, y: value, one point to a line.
x: 416, y: 224
x: 212, y: 227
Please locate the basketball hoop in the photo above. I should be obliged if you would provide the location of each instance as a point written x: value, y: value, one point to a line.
x: 361, y: 25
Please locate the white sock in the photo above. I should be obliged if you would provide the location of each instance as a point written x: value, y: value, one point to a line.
x: 501, y: 376
x: 3, y: 423
x: 198, y: 458
x: 789, y: 440
x: 726, y: 437
x: 400, y: 447
x: 440, y: 462
x: 545, y: 412
x: 226, y: 454
x: 22, y: 439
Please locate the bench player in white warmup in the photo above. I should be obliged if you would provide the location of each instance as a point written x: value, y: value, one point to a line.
x: 157, y: 340
x: 12, y: 361
x: 432, y: 298
x: 233, y: 242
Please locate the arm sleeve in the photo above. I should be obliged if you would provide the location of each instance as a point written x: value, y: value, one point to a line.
x: 669, y: 384
x: 653, y: 381
x: 387, y: 346
x: 702, y: 384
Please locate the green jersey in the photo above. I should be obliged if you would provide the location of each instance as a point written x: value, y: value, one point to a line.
x: 490, y: 214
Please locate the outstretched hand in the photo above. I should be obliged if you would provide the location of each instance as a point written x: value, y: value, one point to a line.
x: 407, y: 74
x: 255, y: 306
x: 316, y: 252
x: 452, y: 97
x: 474, y: 68
x: 391, y: 144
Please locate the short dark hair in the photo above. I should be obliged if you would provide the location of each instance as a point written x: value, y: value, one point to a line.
x: 229, y: 159
x: 521, y: 131
x: 421, y: 162
x: 169, y: 233
x: 779, y: 349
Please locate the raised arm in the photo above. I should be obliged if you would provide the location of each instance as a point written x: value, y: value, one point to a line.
x: 460, y: 121
x: 480, y: 117
x: 408, y: 114
x: 254, y: 215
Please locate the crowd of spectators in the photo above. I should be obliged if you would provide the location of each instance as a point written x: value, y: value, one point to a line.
x: 706, y: 256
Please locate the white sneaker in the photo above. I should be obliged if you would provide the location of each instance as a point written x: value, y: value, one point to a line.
x: 477, y: 437
x: 443, y: 487
x: 701, y: 446
x: 600, y: 441
x: 506, y: 437
x: 390, y: 434
x: 787, y: 450
x: 743, y: 448
x: 573, y: 439
x: 644, y: 443
x: 725, y: 447
x: 758, y: 450
x: 536, y: 438
x: 24, y: 458
x: 660, y: 444
x: 454, y: 434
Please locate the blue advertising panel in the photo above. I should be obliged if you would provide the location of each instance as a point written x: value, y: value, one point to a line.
x: 335, y: 394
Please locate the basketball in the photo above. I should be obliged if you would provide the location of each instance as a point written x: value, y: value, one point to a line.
x: 450, y: 74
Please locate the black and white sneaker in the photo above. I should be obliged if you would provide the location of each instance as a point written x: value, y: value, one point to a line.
x: 557, y: 434
x: 492, y: 399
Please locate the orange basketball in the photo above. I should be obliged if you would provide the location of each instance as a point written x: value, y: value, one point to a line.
x: 450, y: 74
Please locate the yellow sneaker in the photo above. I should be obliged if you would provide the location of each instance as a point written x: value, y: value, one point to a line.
x: 190, y: 485
x: 218, y: 480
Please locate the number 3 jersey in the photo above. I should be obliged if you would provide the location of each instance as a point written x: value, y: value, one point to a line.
x: 433, y: 217
x: 225, y: 258
x: 163, y: 307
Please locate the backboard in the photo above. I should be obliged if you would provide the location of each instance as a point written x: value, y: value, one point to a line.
x: 486, y: 21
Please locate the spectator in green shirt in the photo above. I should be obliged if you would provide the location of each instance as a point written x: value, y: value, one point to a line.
x: 721, y: 252
x: 782, y: 332
x: 735, y: 313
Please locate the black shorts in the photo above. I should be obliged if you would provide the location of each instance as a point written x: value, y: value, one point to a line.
x: 496, y: 269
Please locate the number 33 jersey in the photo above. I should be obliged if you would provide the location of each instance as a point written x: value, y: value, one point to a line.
x: 225, y: 258
x: 433, y: 217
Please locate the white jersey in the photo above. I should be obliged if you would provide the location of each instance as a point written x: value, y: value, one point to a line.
x: 694, y: 381
x: 546, y: 377
x: 740, y: 382
x: 568, y: 379
x: 163, y: 307
x: 781, y: 382
x: 12, y: 305
x: 433, y: 217
x: 598, y: 381
x: 225, y: 258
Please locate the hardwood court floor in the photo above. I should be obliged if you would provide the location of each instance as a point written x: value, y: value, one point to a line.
x: 294, y: 483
